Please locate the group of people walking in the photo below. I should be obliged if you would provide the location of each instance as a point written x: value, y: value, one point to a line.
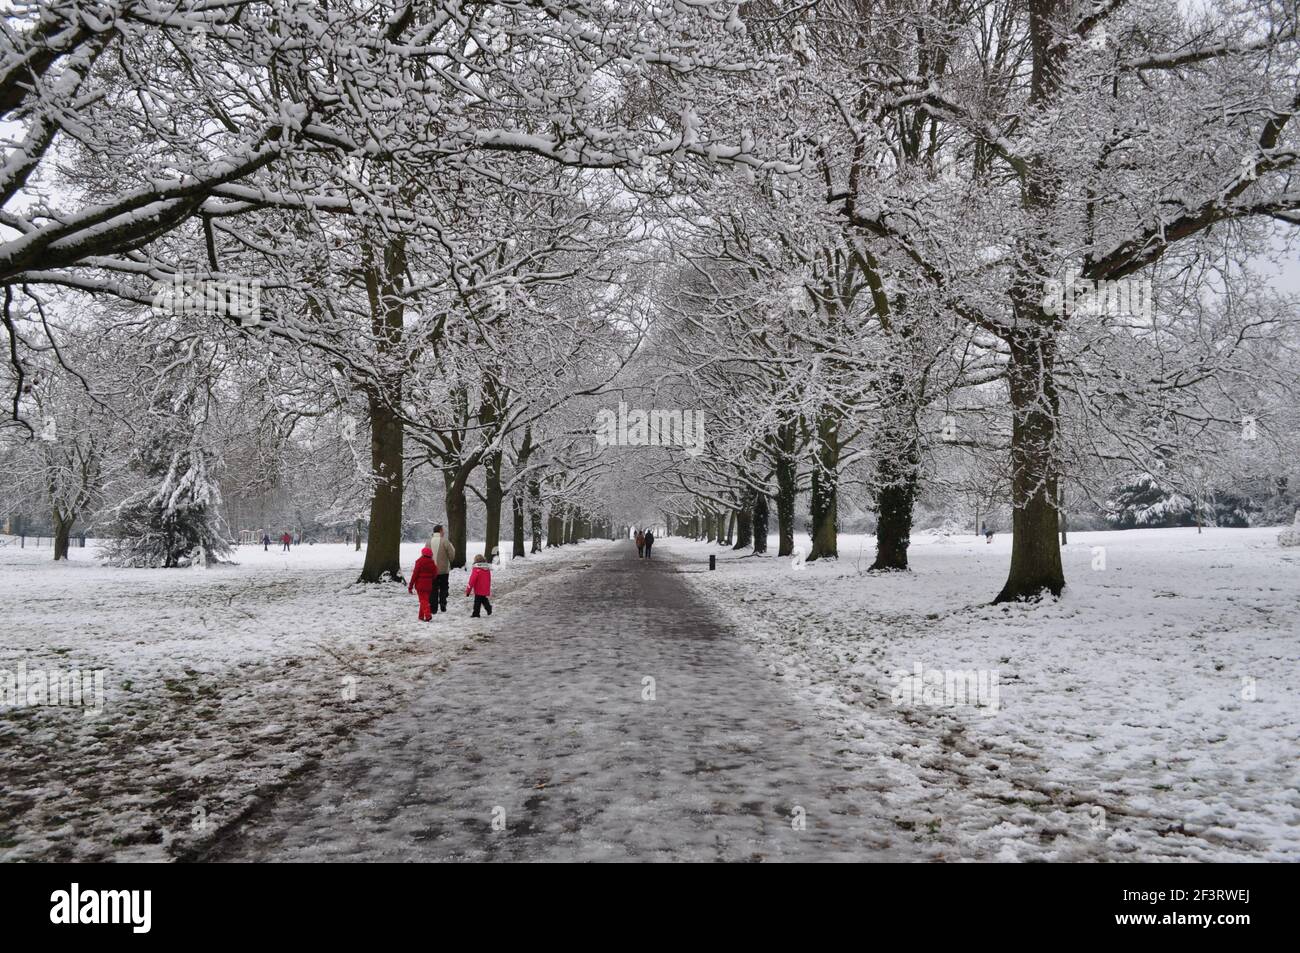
x: 431, y: 578
x: 285, y: 542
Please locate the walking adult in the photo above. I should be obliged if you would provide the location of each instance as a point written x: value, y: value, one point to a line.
x: 443, y: 553
x: 640, y: 544
x: 649, y: 541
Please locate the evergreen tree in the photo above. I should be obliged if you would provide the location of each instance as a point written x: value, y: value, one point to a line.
x: 1144, y: 501
x: 1147, y: 502
x: 174, y: 519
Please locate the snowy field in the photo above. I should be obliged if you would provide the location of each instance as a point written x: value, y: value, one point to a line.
x: 221, y: 686
x: 1152, y: 713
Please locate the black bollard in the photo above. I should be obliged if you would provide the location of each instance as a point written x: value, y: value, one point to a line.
x: 713, y: 561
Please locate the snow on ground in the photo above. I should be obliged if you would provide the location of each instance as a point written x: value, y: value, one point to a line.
x: 221, y: 686
x: 1151, y: 713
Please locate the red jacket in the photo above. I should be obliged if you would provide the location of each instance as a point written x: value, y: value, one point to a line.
x: 480, y: 581
x: 422, y: 575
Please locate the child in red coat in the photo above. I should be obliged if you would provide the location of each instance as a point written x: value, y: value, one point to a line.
x: 480, y: 583
x: 422, y: 582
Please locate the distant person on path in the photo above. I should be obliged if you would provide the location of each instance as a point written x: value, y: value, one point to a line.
x: 266, y: 543
x: 640, y: 543
x: 480, y: 583
x: 443, y: 553
x: 286, y: 539
x: 988, y: 533
x: 422, y: 577
x: 649, y: 541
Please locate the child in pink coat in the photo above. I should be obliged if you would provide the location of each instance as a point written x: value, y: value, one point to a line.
x: 480, y: 583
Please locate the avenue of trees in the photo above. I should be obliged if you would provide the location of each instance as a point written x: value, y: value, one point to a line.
x: 372, y: 265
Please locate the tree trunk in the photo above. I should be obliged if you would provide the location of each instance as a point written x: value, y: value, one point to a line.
x: 457, y: 517
x: 787, y: 475
x: 898, y: 466
x: 383, y: 544
x: 535, y: 512
x: 384, y: 289
x: 760, y: 523
x: 894, y: 525
x: 358, y: 536
x: 1060, y: 512
x: 517, y: 511
x: 1035, y: 548
x: 731, y: 528
x: 825, y: 490
x: 492, y: 500
x: 522, y: 488
x: 1031, y: 368
x: 745, y: 521
x: 62, y: 530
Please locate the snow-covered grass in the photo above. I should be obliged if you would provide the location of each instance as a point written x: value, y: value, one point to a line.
x: 1150, y: 713
x: 221, y: 686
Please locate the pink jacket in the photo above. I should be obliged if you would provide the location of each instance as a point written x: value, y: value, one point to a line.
x: 480, y: 581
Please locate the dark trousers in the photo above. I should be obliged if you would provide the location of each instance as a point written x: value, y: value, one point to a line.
x: 481, y: 601
x: 647, y: 550
x: 438, y: 598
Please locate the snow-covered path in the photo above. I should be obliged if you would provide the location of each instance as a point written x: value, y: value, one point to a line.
x: 549, y: 742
